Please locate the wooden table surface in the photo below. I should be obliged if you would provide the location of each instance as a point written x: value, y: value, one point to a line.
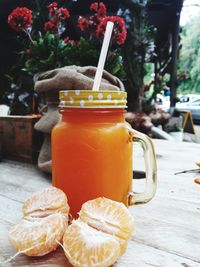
x: 167, y: 228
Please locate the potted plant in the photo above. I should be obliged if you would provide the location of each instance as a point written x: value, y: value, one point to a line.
x: 46, y: 45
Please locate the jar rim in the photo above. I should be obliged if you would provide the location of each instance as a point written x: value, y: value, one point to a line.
x: 92, y: 99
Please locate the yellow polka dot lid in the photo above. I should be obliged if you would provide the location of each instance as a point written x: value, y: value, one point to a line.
x: 92, y: 99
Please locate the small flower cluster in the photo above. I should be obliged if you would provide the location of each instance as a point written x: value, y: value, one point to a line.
x: 96, y: 24
x: 90, y: 24
x: 50, y: 46
x: 20, y: 19
x: 72, y: 42
x: 56, y: 18
x: 119, y: 31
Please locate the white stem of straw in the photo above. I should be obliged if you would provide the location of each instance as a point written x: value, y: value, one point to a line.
x: 102, y: 59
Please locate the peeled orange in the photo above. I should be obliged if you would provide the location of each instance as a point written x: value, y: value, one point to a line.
x: 44, y: 223
x: 45, y: 202
x: 85, y: 246
x: 96, y: 239
x: 108, y: 216
x: 100, y: 235
x: 38, y: 236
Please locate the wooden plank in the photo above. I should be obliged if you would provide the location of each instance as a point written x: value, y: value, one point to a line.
x: 10, y: 210
x: 167, y: 229
x: 171, y: 211
x: 137, y: 254
x: 14, y: 130
x: 172, y: 153
x: 171, y: 156
x: 141, y: 255
x: 185, y: 193
x: 19, y: 180
x: 177, y: 188
x: 167, y: 236
x: 171, y: 220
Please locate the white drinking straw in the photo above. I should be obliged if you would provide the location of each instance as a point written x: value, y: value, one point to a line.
x: 102, y: 58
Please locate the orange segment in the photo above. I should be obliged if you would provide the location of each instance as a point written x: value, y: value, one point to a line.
x: 108, y: 216
x: 86, y: 246
x: 123, y: 245
x: 45, y: 202
x: 38, y: 236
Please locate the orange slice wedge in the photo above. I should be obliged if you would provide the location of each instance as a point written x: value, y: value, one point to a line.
x: 108, y: 216
x: 45, y: 202
x: 86, y: 246
x: 38, y: 236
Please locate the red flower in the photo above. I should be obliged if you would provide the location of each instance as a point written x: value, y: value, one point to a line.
x: 62, y: 14
x: 99, y: 8
x: 57, y: 16
x: 52, y: 8
x: 72, y: 42
x: 53, y: 5
x: 121, y: 37
x: 20, y: 19
x: 119, y: 31
x: 101, y: 13
x: 51, y: 26
x: 83, y: 23
x: 94, y: 6
x: 66, y: 39
x: 90, y: 24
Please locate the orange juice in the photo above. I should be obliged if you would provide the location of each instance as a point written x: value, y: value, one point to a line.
x: 92, y: 156
x: 92, y: 148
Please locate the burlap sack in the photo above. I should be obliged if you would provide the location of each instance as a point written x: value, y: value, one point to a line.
x: 44, y: 159
x: 75, y: 78
x: 49, y: 84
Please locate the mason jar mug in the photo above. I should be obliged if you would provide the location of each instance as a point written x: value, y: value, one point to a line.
x: 92, y: 150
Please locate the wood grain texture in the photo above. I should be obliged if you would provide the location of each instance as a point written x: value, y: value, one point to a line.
x: 167, y: 228
x: 14, y: 130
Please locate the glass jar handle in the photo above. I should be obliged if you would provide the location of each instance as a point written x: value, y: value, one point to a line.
x: 150, y: 168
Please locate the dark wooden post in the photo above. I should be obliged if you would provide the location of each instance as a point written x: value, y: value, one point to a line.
x: 156, y: 76
x: 175, y: 43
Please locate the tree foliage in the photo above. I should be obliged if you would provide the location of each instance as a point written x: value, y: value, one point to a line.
x: 189, y: 61
x: 138, y: 50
